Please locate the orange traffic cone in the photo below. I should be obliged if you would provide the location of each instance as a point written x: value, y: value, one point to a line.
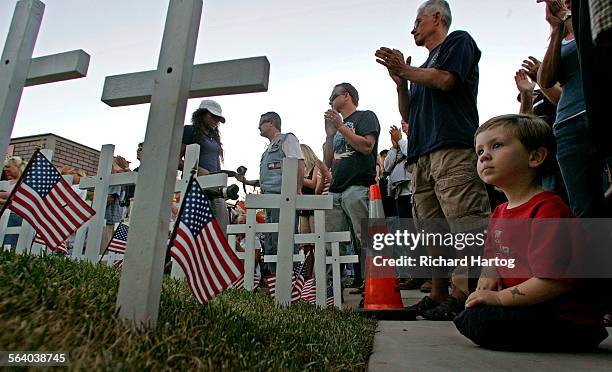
x: 382, y: 298
x: 376, y: 205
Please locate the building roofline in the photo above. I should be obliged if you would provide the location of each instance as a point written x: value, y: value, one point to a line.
x: 46, y: 135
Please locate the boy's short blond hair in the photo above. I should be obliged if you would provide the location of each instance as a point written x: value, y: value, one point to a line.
x: 531, y: 131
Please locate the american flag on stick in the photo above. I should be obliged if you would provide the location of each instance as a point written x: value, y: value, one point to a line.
x: 62, y: 248
x: 239, y: 284
x: 200, y: 248
x: 118, y: 243
x: 297, y: 282
x: 309, y: 293
x: 44, y: 199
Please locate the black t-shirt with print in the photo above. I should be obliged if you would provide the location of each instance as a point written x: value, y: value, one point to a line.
x: 350, y: 167
x: 437, y: 118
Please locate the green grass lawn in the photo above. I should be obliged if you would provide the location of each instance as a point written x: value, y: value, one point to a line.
x: 55, y: 304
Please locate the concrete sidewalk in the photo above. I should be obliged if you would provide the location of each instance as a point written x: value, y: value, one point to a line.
x: 438, y: 346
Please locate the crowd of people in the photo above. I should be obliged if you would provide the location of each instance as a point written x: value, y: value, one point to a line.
x: 541, y: 163
x: 537, y: 164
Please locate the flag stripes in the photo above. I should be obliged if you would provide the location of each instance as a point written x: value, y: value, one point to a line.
x: 118, y: 243
x: 199, y: 246
x: 44, y: 199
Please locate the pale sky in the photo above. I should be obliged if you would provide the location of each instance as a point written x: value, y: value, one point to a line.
x: 311, y: 45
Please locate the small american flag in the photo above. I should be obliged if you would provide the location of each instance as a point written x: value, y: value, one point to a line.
x: 200, y: 248
x: 118, y: 264
x: 62, y: 248
x: 239, y: 284
x: 119, y: 241
x: 297, y: 282
x: 309, y: 293
x: 48, y: 203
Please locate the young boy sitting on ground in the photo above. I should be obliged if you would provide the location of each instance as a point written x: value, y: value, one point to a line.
x: 530, y: 305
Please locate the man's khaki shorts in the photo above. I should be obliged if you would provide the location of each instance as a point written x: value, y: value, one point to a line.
x: 445, y: 184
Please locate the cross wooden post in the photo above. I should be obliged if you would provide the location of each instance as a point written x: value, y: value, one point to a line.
x: 97, y: 222
x: 169, y: 88
x: 18, y: 69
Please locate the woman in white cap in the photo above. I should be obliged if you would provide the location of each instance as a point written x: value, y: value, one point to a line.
x: 205, y: 132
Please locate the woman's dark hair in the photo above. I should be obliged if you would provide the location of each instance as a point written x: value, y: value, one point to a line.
x: 200, y: 131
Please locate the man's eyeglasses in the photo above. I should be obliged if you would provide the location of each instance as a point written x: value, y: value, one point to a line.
x: 334, y: 96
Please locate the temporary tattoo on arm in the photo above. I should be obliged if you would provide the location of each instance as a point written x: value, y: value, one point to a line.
x: 516, y: 292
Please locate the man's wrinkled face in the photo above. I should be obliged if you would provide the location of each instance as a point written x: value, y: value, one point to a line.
x: 424, y: 26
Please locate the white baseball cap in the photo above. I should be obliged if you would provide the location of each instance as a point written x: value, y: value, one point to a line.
x: 213, y: 107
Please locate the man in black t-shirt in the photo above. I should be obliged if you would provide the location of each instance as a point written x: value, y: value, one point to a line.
x: 440, y: 105
x: 350, y: 151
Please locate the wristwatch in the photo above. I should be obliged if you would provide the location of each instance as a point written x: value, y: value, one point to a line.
x: 568, y: 14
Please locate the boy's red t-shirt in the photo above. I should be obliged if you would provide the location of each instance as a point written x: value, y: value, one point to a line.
x: 541, y: 239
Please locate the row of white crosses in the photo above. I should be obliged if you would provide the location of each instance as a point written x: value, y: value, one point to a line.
x: 168, y: 88
x: 289, y: 201
x: 100, y: 184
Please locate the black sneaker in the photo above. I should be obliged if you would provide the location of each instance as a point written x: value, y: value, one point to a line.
x: 420, y: 307
x: 447, y: 310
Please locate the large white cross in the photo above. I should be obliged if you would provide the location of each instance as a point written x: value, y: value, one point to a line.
x: 172, y: 83
x: 18, y: 69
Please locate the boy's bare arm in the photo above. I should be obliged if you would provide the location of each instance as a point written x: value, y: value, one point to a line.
x: 533, y: 291
x: 530, y: 292
x: 489, y: 280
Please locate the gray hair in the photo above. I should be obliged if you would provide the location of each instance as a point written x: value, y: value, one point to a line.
x: 274, y: 117
x: 433, y: 6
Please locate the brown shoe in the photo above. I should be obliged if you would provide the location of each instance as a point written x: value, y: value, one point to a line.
x: 411, y: 283
x: 426, y: 287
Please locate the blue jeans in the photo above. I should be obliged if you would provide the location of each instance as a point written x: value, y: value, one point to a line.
x: 11, y: 239
x: 350, y: 209
x: 581, y: 167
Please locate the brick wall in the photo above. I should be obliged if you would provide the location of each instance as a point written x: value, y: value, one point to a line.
x: 25, y: 149
x: 65, y: 151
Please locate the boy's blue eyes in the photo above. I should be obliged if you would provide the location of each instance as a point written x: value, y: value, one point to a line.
x: 496, y: 145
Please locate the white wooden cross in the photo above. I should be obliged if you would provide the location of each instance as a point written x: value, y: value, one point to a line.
x: 18, y: 69
x: 288, y: 202
x: 250, y: 229
x: 141, y: 277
